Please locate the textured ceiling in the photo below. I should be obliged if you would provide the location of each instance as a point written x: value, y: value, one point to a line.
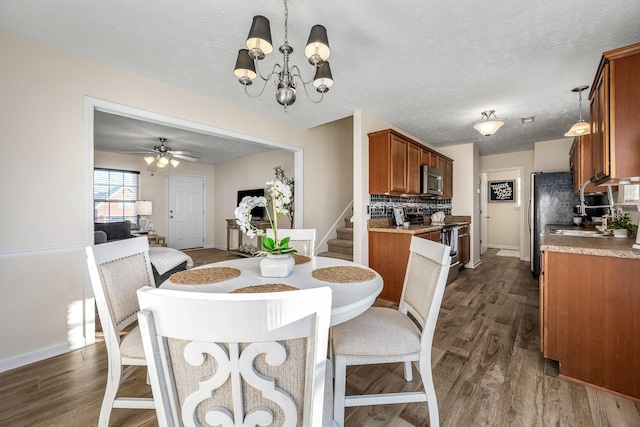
x: 430, y: 68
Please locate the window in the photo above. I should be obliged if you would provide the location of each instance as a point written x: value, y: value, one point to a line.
x: 114, y: 195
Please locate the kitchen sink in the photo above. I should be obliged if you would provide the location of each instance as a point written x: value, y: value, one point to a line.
x: 578, y: 233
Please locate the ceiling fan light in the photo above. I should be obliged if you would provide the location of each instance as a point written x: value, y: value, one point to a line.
x: 259, y: 39
x: 163, y: 161
x: 174, y: 163
x: 317, y: 50
x: 149, y: 159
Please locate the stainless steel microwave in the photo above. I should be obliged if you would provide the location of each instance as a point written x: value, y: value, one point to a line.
x: 431, y: 181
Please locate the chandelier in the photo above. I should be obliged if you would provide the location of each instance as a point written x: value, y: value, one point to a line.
x: 487, y: 126
x: 259, y: 45
x: 581, y: 127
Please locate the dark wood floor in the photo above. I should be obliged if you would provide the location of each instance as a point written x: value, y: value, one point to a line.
x: 488, y: 370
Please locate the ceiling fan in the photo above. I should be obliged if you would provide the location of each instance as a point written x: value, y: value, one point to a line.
x: 163, y: 155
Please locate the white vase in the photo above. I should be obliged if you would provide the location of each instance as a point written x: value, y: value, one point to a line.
x: 622, y: 232
x: 277, y: 265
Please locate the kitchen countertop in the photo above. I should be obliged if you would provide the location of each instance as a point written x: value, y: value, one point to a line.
x: 386, y: 225
x: 598, y: 246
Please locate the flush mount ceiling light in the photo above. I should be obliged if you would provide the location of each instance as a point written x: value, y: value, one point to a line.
x: 488, y: 126
x: 581, y: 127
x: 259, y: 45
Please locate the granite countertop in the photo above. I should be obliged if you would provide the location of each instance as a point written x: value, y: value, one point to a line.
x: 386, y: 225
x: 598, y: 246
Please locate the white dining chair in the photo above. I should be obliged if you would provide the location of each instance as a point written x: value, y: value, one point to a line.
x: 117, y: 270
x: 301, y: 239
x: 385, y: 335
x: 238, y: 359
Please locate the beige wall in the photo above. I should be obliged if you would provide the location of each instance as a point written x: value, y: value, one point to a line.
x: 503, y: 224
x: 552, y: 156
x: 42, y: 106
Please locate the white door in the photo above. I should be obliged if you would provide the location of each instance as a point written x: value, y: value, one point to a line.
x: 186, y: 212
x: 484, y: 223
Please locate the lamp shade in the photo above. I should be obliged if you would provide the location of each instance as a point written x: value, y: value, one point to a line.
x: 489, y: 127
x: 578, y: 129
x: 323, y: 79
x: 245, y: 69
x: 144, y: 207
x: 317, y: 49
x: 259, y: 39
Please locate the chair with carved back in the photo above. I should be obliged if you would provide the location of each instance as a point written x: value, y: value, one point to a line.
x: 385, y: 335
x: 117, y: 270
x: 301, y: 239
x: 238, y: 359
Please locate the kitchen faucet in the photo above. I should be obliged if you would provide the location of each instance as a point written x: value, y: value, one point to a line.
x: 583, y: 206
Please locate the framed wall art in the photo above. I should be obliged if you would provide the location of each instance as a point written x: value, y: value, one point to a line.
x: 502, y: 191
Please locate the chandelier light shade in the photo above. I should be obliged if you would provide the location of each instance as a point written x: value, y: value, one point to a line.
x: 286, y: 77
x: 581, y: 127
x: 488, y: 126
x: 259, y: 39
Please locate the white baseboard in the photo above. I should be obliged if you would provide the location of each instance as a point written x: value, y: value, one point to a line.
x: 32, y: 357
x: 513, y: 248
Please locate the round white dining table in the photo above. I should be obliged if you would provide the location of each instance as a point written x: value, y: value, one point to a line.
x: 348, y: 299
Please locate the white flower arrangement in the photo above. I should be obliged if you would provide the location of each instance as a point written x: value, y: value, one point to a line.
x: 279, y: 195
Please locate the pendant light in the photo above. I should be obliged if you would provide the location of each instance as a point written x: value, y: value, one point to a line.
x: 581, y: 127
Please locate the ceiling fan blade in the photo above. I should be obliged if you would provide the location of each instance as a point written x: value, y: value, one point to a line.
x: 182, y: 157
x: 146, y: 149
x: 135, y: 152
x: 186, y: 153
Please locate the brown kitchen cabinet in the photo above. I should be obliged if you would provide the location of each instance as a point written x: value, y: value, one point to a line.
x: 589, y: 319
x: 581, y: 165
x: 464, y: 245
x: 389, y: 254
x: 395, y: 161
x: 388, y: 163
x: 447, y: 179
x: 614, y: 111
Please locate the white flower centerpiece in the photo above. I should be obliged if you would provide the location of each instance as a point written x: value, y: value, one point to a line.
x: 276, y: 262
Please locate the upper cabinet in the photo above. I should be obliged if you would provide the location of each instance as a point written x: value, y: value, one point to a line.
x: 581, y: 163
x: 614, y: 113
x: 395, y: 161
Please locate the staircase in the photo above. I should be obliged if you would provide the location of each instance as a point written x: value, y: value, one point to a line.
x: 342, y: 247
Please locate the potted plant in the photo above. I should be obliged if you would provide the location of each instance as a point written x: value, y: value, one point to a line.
x: 277, y: 261
x: 621, y: 225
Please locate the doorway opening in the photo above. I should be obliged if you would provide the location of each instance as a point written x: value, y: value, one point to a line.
x: 503, y: 211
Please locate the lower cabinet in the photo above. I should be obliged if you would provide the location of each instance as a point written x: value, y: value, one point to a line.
x: 590, y: 321
x: 464, y: 245
x: 389, y: 254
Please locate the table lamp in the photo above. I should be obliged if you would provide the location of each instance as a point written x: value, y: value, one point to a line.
x: 144, y: 208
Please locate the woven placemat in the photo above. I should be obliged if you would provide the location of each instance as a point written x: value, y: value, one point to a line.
x: 300, y: 259
x: 201, y: 276
x: 271, y: 287
x: 343, y: 274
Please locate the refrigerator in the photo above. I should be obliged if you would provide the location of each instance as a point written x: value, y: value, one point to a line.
x: 552, y: 202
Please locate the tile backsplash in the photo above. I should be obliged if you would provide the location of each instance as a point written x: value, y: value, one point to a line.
x: 381, y: 206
